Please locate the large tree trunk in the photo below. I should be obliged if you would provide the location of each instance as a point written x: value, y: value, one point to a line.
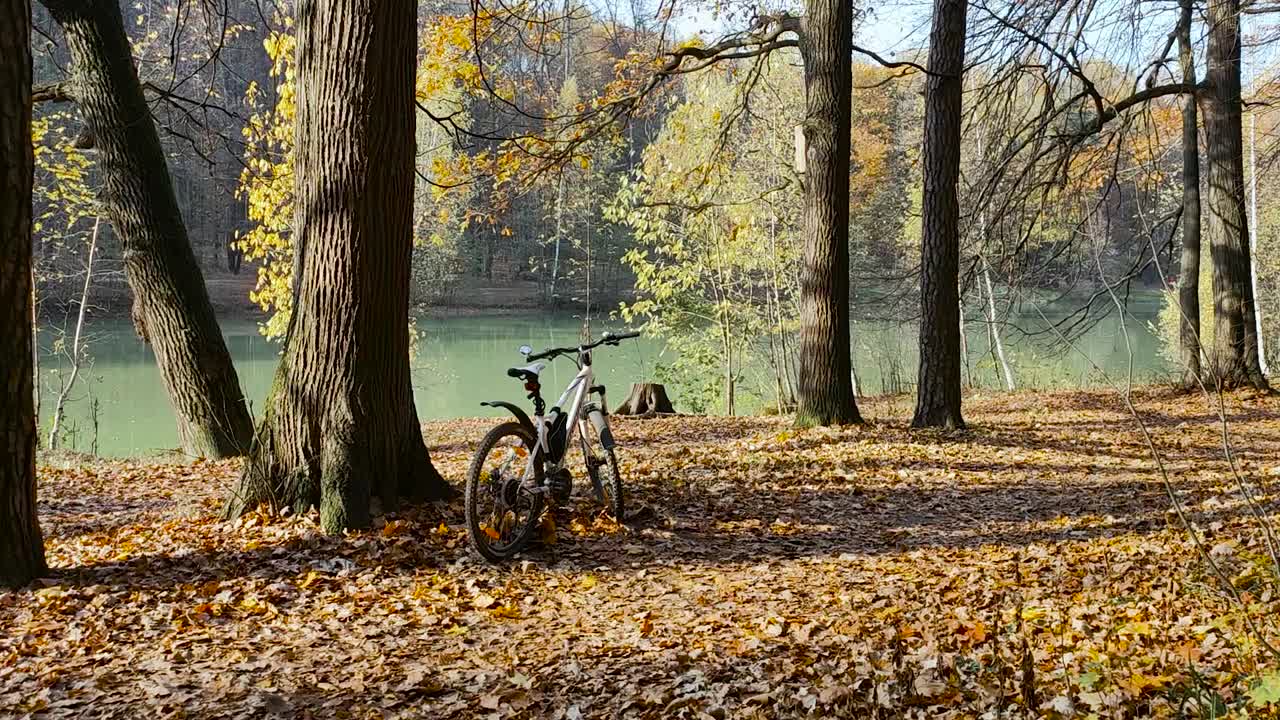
x: 1189, y: 349
x: 938, y: 389
x: 21, y: 547
x: 171, y: 305
x: 646, y: 399
x: 1235, y: 342
x: 340, y: 425
x: 824, y: 387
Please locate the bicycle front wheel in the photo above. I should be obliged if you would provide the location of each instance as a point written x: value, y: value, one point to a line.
x: 502, y: 507
x: 602, y: 465
x: 608, y: 484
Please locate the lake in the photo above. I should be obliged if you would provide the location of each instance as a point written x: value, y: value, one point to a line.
x: 119, y: 407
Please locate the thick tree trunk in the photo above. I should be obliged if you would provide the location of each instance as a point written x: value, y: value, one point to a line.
x: 340, y: 425
x: 1235, y: 342
x: 21, y: 547
x: 1189, y: 349
x: 824, y: 389
x: 646, y: 399
x: 171, y: 305
x: 938, y: 388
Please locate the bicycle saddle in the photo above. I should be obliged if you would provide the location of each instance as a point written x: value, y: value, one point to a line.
x: 528, y: 372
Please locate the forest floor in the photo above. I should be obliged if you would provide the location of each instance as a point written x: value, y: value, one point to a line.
x: 1032, y: 561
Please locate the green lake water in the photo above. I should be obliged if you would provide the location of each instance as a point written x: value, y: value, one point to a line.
x: 119, y: 407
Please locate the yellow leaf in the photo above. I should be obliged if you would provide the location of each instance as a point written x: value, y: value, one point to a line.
x: 547, y: 530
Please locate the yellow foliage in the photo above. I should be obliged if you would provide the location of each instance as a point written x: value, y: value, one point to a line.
x: 62, y: 196
x: 266, y: 184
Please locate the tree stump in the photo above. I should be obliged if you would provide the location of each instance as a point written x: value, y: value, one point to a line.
x: 646, y: 399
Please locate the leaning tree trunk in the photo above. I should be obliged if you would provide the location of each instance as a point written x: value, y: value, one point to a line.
x: 21, y: 547
x: 825, y: 386
x: 171, y: 305
x: 938, y: 389
x: 1235, y: 341
x: 340, y: 425
x: 1189, y: 349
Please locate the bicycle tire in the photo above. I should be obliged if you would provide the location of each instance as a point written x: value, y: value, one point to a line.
x: 606, y: 478
x: 612, y: 484
x: 481, y: 540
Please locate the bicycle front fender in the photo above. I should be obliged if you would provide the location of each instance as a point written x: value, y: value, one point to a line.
x: 521, y: 416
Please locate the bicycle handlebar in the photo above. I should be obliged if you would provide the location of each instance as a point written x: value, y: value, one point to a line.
x: 606, y: 339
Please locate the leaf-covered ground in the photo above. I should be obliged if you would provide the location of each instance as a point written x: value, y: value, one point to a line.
x: 1031, y: 561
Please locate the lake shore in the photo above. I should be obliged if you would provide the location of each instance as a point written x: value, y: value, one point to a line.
x: 1034, y: 559
x: 111, y: 298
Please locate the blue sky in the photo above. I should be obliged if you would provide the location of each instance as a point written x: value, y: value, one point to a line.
x: 886, y: 30
x: 893, y: 28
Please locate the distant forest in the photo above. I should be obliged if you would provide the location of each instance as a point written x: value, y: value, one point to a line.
x: 220, y: 88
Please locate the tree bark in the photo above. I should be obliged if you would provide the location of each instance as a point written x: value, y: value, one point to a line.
x: 340, y: 427
x: 646, y: 399
x: 171, y: 304
x: 824, y: 388
x: 1189, y: 349
x: 938, y: 386
x: 21, y: 546
x: 1235, y: 342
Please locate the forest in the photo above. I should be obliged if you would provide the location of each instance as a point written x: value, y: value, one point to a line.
x: 912, y: 360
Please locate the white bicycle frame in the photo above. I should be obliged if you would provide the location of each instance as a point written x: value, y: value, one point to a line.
x: 578, y: 388
x: 576, y: 396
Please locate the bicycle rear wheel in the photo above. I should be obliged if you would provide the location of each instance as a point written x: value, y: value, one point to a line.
x: 502, y: 507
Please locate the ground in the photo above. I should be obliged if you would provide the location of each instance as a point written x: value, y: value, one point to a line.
x: 1033, y: 560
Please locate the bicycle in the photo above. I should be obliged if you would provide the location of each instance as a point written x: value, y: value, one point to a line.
x: 520, y: 469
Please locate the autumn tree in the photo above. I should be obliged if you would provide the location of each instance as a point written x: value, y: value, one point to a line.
x: 448, y: 82
x: 824, y: 35
x: 340, y: 427
x: 21, y: 547
x: 171, y: 308
x: 714, y: 223
x: 938, y: 393
x: 1235, y: 345
x: 824, y: 388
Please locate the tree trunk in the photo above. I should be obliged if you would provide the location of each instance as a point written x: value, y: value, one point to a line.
x: 646, y: 399
x: 171, y: 305
x: 64, y: 391
x: 964, y: 346
x: 938, y: 387
x: 1253, y: 241
x: 984, y: 283
x: 340, y: 427
x: 1235, y: 342
x: 35, y: 345
x: 21, y: 547
x: 824, y: 390
x: 1189, y: 348
x: 993, y: 329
